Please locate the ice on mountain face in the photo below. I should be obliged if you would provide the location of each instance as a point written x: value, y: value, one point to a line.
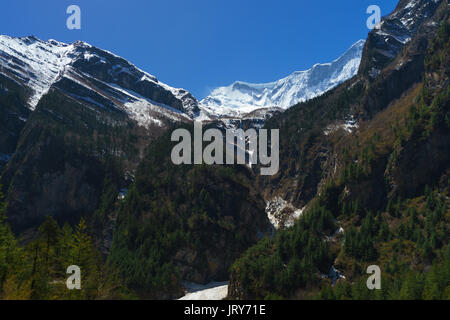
x: 241, y: 97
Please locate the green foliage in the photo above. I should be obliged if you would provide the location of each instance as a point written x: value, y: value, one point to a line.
x: 183, y: 223
x: 359, y: 244
x: 406, y: 285
x: 277, y: 267
x: 402, y: 228
x: 38, y: 271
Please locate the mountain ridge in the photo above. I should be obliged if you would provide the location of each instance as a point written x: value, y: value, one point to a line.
x: 39, y: 64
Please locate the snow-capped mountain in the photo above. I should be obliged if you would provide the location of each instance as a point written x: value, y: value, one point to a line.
x: 242, y: 98
x: 92, y: 76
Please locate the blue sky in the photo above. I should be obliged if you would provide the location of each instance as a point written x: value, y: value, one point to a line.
x: 202, y: 44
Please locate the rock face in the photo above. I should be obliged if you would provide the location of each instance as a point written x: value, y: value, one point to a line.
x: 282, y: 214
x: 242, y: 98
x: 211, y: 291
x: 397, y: 29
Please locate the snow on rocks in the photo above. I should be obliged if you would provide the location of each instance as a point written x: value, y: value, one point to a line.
x: 281, y: 213
x: 335, y: 275
x: 399, y: 27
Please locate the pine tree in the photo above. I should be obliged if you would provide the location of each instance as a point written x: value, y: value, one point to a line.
x: 50, y: 231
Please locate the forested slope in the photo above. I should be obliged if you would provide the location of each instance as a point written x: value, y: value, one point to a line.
x: 389, y: 194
